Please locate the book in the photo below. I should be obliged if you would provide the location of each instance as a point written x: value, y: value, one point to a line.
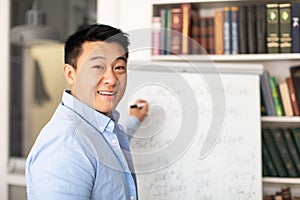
x: 210, y: 35
x: 156, y: 28
x: 243, y: 33
x: 162, y: 43
x: 291, y: 145
x: 261, y: 28
x: 186, y: 27
x: 207, y: 30
x: 168, y: 31
x: 227, y: 30
x: 281, y: 145
x: 295, y: 74
x: 285, y: 28
x: 218, y: 32
x: 286, y: 193
x: 293, y: 96
x: 195, y: 33
x: 272, y: 28
x: 268, y: 163
x: 266, y: 92
x: 285, y: 99
x: 176, y: 35
x: 295, y: 15
x: 274, y: 153
x: 251, y: 29
x: 296, y: 136
x: 276, y: 96
x: 235, y: 30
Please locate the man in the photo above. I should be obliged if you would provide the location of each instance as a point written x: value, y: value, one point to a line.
x: 82, y: 152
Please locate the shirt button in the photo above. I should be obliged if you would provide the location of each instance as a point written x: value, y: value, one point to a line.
x: 131, y: 198
x: 114, y: 141
x: 101, y: 129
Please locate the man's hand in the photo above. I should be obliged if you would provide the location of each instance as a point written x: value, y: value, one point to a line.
x: 139, y: 112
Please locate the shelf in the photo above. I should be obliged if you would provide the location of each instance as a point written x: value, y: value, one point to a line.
x: 281, y: 180
x: 224, y: 58
x: 284, y: 119
x: 157, y: 2
x: 16, y: 179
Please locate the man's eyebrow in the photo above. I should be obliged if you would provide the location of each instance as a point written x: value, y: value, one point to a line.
x: 97, y: 57
x: 122, y: 58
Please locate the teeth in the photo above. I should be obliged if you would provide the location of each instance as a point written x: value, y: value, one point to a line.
x: 106, y: 93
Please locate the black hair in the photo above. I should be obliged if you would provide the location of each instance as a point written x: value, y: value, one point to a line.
x: 94, y: 32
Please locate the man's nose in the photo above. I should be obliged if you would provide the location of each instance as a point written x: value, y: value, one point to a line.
x: 109, y: 77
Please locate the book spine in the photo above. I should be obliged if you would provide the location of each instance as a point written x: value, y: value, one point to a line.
x: 276, y: 96
x: 243, y: 45
x: 168, y: 31
x: 227, y: 29
x: 195, y: 33
x: 267, y: 95
x: 235, y: 30
x: 210, y: 36
x: 292, y: 149
x: 186, y: 27
x: 272, y: 28
x: 281, y: 145
x: 270, y: 144
x: 162, y: 48
x: 203, y: 35
x: 251, y: 18
x: 285, y: 98
x: 295, y: 9
x: 261, y: 28
x: 267, y: 161
x: 156, y: 24
x: 295, y: 74
x: 218, y: 32
x: 285, y: 28
x: 176, y: 35
x: 293, y: 96
x: 296, y: 136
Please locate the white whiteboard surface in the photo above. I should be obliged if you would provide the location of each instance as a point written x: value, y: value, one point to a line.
x: 171, y: 166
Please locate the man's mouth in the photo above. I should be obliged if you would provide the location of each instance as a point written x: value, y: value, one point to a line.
x: 106, y: 93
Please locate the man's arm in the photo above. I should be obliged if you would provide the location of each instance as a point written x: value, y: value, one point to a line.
x: 137, y: 115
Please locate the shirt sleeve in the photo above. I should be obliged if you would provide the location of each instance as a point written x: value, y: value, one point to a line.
x: 60, y: 171
x: 131, y: 126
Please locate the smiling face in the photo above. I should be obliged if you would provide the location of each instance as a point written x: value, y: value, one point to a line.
x: 100, y: 77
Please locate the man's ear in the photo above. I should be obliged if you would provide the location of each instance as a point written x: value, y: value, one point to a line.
x: 70, y: 74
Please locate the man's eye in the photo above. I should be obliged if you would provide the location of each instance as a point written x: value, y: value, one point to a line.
x: 98, y: 67
x: 120, y: 69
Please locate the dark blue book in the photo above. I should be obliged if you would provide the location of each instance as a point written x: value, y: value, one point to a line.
x: 267, y: 95
x: 227, y: 18
x: 295, y: 8
x: 261, y: 28
x: 252, y: 33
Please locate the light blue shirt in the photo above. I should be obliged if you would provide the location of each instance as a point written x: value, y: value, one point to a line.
x: 81, y: 154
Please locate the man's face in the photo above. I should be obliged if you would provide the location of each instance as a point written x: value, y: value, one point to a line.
x: 100, y: 78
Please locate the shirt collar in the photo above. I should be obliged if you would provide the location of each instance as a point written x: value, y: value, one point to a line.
x: 98, y: 120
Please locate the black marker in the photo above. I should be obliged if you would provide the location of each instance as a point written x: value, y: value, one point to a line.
x: 139, y: 105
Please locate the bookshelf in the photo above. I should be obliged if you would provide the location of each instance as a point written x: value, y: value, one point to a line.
x: 276, y: 63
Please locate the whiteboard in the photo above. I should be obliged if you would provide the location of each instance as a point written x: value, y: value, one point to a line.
x: 201, y: 138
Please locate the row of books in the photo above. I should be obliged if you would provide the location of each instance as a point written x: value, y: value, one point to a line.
x: 283, y: 194
x: 281, y: 99
x: 281, y: 152
x: 244, y: 29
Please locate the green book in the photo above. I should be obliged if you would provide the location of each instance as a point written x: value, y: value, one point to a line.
x: 296, y: 137
x: 292, y: 149
x: 285, y: 28
x: 274, y: 154
x: 276, y: 96
x: 268, y: 164
x: 281, y: 145
x: 272, y: 28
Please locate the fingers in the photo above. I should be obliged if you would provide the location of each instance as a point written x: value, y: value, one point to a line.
x: 140, y: 112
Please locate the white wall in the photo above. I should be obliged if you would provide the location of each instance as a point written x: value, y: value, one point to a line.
x: 4, y: 74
